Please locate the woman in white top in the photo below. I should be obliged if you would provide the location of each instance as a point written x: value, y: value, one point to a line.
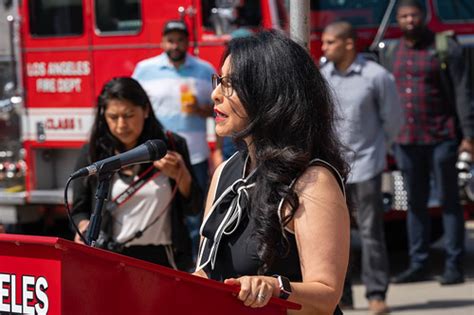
x: 144, y: 217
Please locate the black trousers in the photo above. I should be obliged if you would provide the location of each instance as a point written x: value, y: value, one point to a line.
x: 367, y: 200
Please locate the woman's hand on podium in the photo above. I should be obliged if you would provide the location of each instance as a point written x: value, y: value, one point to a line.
x: 255, y: 291
x: 200, y: 273
x: 82, y: 226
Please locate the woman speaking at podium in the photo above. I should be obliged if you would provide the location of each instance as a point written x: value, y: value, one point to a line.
x: 144, y: 217
x: 276, y: 221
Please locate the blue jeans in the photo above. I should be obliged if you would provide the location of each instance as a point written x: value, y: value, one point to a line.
x: 201, y: 173
x: 417, y: 162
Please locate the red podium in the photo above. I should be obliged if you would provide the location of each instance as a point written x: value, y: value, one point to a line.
x: 46, y: 275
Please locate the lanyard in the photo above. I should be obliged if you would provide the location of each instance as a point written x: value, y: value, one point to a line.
x: 143, y: 178
x: 133, y: 188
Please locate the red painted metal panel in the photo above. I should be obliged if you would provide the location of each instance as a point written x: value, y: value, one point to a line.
x: 85, y: 280
x: 58, y: 79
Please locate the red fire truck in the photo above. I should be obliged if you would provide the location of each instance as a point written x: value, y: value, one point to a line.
x: 64, y: 50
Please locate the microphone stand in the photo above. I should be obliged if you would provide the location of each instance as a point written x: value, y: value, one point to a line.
x: 96, y: 217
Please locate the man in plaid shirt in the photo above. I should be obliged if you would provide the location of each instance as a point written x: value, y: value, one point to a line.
x: 432, y: 93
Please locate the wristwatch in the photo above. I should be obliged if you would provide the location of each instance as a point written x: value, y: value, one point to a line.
x: 285, y: 286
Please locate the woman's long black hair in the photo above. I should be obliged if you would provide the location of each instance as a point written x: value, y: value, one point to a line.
x: 291, y: 122
x: 102, y: 143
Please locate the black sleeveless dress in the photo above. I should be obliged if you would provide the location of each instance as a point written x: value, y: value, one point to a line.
x: 228, y: 249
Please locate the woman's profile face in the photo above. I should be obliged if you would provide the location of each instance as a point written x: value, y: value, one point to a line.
x: 125, y: 121
x: 230, y: 115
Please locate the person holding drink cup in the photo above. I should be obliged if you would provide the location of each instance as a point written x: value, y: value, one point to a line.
x: 188, y: 100
x: 180, y: 92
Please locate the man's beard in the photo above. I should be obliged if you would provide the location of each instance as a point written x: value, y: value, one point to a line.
x: 176, y: 56
x: 414, y: 33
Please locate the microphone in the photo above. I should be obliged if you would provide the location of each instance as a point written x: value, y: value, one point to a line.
x: 149, y: 151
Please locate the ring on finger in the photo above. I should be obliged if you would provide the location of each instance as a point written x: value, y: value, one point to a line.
x: 261, y: 297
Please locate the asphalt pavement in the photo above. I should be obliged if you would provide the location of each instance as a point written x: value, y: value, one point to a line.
x: 427, y: 297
